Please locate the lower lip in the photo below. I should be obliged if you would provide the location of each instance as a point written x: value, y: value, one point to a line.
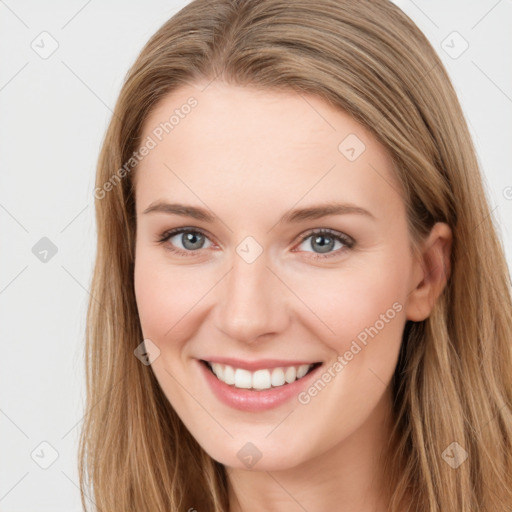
x: 253, y: 401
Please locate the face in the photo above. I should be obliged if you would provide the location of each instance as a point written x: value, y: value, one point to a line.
x: 271, y: 240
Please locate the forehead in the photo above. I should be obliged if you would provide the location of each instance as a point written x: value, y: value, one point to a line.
x: 262, y: 145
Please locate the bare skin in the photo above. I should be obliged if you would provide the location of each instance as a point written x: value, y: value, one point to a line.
x: 248, y: 157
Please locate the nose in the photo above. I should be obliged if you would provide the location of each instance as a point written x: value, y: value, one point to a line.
x: 252, y: 302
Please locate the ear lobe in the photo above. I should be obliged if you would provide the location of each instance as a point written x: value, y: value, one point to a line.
x: 434, y: 268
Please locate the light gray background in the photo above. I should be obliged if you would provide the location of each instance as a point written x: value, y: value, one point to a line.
x: 54, y: 113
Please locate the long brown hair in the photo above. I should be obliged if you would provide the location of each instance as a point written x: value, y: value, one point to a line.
x: 453, y: 381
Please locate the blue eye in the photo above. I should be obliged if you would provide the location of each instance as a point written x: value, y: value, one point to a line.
x: 324, y: 241
x: 193, y: 240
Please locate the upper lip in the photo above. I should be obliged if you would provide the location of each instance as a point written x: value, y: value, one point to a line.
x: 260, y: 364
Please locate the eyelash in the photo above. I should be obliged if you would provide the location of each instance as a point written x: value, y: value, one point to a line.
x: 347, y: 241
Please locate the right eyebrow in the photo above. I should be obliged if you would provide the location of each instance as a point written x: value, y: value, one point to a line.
x: 182, y: 210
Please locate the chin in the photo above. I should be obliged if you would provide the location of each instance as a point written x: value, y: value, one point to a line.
x: 258, y: 455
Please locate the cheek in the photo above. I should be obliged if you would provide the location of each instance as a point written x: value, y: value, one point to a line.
x: 166, y: 295
x: 365, y: 309
x: 362, y: 304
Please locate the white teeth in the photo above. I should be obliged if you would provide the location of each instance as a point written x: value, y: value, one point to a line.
x: 302, y: 370
x: 260, y: 379
x: 277, y: 377
x: 229, y: 375
x: 290, y: 375
x: 218, y: 370
x: 243, y: 378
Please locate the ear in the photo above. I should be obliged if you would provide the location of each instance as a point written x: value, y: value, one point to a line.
x: 431, y: 269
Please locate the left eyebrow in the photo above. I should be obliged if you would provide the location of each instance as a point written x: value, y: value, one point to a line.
x: 293, y: 216
x: 324, y: 210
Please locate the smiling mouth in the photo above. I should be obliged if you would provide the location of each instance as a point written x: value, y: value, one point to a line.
x: 259, y: 380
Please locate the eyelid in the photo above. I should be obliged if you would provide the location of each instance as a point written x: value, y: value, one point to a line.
x: 345, y: 239
x: 348, y: 240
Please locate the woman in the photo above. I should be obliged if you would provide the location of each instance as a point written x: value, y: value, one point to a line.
x: 300, y: 301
